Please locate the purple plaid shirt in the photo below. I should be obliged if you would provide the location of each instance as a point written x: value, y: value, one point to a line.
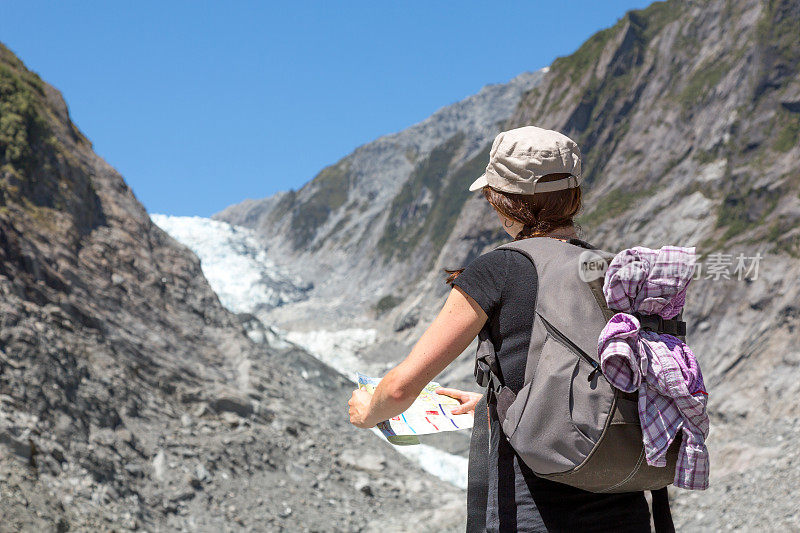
x: 660, y: 367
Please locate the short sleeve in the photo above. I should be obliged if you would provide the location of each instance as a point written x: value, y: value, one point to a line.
x: 484, y: 278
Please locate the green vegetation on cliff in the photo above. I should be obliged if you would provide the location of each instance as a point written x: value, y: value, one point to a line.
x: 605, y: 101
x: 39, y: 175
x: 788, y: 133
x: 21, y: 110
x: 414, y: 203
x: 612, y: 205
x: 428, y: 205
x: 448, y: 206
x: 328, y: 192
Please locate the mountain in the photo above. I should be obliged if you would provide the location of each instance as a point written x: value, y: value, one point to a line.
x: 688, y: 116
x: 378, y: 218
x: 130, y: 398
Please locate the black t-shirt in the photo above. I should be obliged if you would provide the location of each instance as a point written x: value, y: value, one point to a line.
x: 504, y: 284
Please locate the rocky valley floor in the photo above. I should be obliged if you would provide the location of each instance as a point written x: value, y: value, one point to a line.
x: 282, y: 459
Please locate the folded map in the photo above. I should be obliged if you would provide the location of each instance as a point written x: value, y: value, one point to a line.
x: 430, y: 413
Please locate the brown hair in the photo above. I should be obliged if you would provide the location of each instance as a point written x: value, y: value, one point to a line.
x: 541, y: 213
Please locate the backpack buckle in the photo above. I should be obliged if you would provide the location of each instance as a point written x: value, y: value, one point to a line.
x: 486, y: 369
x: 658, y: 324
x: 652, y: 322
x: 481, y: 372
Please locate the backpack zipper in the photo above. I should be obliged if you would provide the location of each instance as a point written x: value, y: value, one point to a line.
x: 571, y: 345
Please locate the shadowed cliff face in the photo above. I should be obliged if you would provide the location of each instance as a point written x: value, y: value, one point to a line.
x: 688, y: 116
x: 684, y: 99
x: 129, y: 397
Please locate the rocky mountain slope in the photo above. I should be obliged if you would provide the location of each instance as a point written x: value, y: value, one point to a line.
x: 688, y: 115
x: 130, y: 398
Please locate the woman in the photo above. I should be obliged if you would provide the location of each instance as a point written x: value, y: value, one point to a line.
x: 533, y: 183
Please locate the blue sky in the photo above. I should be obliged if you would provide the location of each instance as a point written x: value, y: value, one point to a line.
x: 200, y: 105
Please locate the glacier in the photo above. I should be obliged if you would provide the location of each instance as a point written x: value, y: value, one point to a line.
x: 235, y: 264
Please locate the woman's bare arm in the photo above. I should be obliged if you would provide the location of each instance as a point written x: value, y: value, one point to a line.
x: 450, y: 333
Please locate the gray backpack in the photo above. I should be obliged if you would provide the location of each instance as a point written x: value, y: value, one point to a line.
x: 567, y: 423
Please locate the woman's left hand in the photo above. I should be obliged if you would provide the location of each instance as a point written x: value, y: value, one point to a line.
x: 359, y: 409
x: 468, y: 400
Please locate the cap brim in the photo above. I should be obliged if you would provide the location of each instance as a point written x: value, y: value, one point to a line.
x: 479, y: 183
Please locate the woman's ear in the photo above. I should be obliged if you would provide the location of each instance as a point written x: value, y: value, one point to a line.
x: 504, y: 219
x: 512, y: 227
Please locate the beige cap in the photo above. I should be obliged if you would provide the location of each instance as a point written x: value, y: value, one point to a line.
x: 521, y: 156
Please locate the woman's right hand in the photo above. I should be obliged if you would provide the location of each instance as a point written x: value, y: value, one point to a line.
x: 467, y: 399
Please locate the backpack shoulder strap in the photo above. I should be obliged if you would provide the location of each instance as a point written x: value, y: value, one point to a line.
x: 487, y: 369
